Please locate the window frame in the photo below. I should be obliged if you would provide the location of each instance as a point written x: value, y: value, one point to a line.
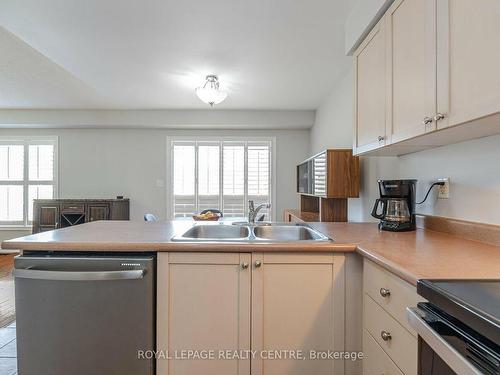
x: 170, y: 167
x: 27, y: 141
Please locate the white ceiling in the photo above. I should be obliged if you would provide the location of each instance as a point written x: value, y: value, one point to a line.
x: 131, y: 54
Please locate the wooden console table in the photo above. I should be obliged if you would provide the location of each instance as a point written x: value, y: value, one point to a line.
x: 49, y: 214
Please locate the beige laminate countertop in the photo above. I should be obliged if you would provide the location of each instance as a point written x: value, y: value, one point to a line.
x: 410, y: 255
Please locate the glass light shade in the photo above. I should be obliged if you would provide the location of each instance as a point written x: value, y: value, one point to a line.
x: 211, y: 95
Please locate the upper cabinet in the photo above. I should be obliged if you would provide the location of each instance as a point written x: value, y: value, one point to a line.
x: 370, y: 71
x: 427, y: 75
x: 411, y: 63
x: 468, y: 60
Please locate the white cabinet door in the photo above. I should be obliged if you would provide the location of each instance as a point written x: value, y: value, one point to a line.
x: 297, y: 304
x: 468, y: 60
x: 411, y: 46
x: 371, y: 91
x: 203, y: 304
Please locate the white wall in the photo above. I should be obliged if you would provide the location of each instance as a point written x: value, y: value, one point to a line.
x: 164, y: 119
x: 105, y: 163
x: 333, y: 118
x: 333, y: 129
x: 474, y: 171
x: 363, y: 15
x: 472, y: 166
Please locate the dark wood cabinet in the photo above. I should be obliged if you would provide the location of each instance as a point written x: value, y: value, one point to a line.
x: 49, y: 214
x: 325, y: 182
x: 329, y: 174
x: 98, y: 212
x: 48, y: 217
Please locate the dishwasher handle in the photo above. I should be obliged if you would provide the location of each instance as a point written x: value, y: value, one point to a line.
x: 78, y: 276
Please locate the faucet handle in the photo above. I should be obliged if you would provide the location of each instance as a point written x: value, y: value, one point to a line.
x: 251, y: 205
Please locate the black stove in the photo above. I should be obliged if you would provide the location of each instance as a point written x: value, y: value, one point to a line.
x: 459, y: 328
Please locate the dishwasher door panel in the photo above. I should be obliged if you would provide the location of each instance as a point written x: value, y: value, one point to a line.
x: 84, y: 316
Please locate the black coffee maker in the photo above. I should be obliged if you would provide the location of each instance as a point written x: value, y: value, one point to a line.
x: 397, y: 198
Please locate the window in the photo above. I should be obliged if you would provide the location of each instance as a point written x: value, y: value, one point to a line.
x: 223, y: 174
x: 27, y: 172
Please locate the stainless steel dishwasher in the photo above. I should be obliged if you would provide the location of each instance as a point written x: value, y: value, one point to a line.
x: 81, y: 314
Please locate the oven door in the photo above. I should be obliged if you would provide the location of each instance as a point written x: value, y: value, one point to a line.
x: 447, y: 349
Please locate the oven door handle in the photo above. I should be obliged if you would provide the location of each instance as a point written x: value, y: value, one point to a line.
x: 447, y: 353
x: 78, y: 276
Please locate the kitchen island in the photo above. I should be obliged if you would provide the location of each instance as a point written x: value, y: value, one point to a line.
x: 259, y: 297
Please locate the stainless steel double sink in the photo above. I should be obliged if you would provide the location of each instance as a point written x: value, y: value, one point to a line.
x: 245, y: 232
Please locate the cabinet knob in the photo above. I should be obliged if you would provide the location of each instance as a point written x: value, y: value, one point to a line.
x: 427, y: 120
x: 257, y: 263
x: 439, y: 116
x: 386, y: 336
x: 380, y: 138
x: 384, y: 292
x: 244, y: 265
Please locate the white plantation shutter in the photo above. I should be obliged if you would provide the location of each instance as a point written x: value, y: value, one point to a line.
x: 234, y: 179
x: 320, y: 175
x: 223, y: 175
x: 11, y: 204
x: 27, y: 172
x: 11, y: 162
x: 184, y: 179
x: 41, y: 162
x: 208, y: 176
x: 259, y: 174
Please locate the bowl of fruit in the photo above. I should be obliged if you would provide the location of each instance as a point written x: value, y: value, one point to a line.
x: 208, y: 216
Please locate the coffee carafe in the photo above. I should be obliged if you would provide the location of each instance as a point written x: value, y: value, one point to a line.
x: 396, y: 206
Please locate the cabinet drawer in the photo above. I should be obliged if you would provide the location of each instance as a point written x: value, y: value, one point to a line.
x: 375, y: 361
x: 401, y: 295
x: 401, y: 347
x: 73, y: 207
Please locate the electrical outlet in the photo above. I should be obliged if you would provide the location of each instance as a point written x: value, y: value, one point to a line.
x: 444, y: 190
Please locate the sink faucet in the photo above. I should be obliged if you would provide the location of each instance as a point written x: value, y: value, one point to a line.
x: 253, y: 211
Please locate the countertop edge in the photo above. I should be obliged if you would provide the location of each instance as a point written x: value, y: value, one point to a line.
x: 180, y: 247
x: 210, y: 247
x: 389, y: 266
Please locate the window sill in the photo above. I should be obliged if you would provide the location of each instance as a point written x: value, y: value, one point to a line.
x: 16, y: 227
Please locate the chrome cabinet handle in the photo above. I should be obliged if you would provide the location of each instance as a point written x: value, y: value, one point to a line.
x: 384, y: 292
x: 244, y: 265
x: 427, y: 120
x: 439, y: 116
x: 257, y: 263
x: 386, y: 336
x: 380, y: 138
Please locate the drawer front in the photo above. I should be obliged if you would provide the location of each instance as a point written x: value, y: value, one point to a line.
x: 73, y: 207
x: 401, y: 347
x: 390, y: 292
x: 375, y: 361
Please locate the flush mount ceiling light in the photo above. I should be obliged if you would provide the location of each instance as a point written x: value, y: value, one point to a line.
x: 210, y: 93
